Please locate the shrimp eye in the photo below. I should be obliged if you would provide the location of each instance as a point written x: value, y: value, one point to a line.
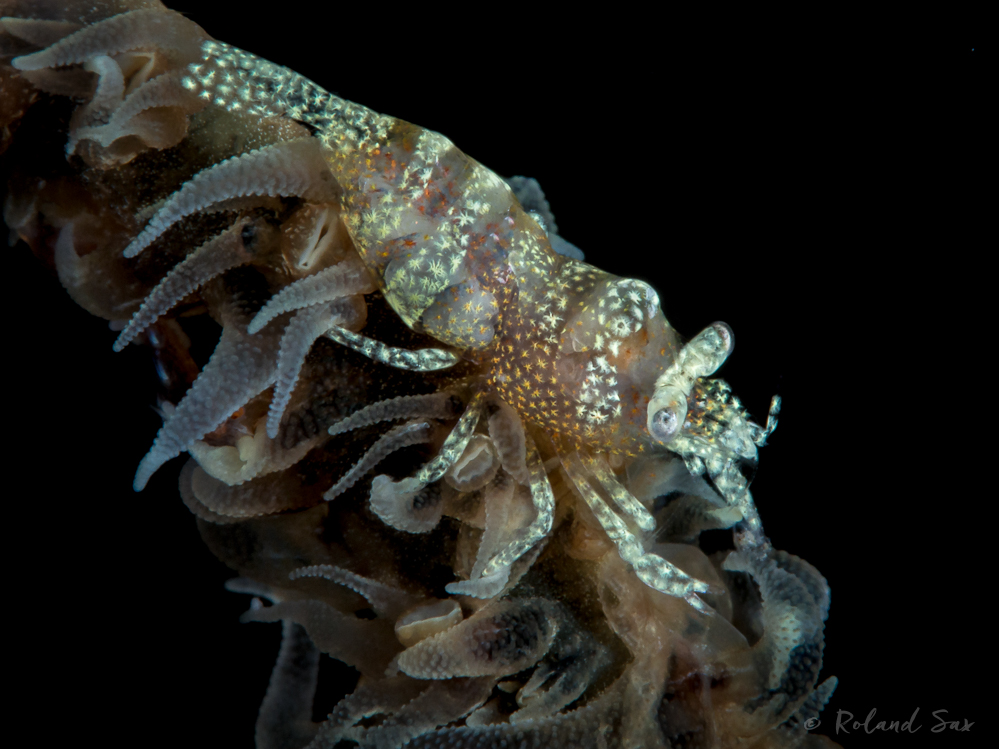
x: 664, y: 424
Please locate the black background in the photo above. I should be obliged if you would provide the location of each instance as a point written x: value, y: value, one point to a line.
x: 816, y: 188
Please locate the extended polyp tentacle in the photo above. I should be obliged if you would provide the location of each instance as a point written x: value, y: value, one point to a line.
x: 431, y: 406
x: 421, y: 360
x: 544, y: 503
x: 443, y: 703
x: 460, y: 650
x: 107, y: 97
x: 162, y: 91
x: 561, y: 678
x: 807, y: 715
x: 653, y: 570
x: 810, y: 577
x: 136, y: 29
x: 241, y: 367
x: 388, y: 602
x: 294, y: 167
x: 285, y: 717
x: 621, y: 496
x: 792, y: 624
x: 251, y: 587
x: 274, y: 492
x: 406, y: 505
x: 193, y: 502
x: 384, y: 696
x: 302, y: 331
x: 593, y: 726
x: 38, y: 32
x: 219, y: 254
x: 397, y: 438
x: 344, y: 279
x: 366, y: 644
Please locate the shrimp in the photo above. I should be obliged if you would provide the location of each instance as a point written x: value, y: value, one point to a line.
x: 383, y: 297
